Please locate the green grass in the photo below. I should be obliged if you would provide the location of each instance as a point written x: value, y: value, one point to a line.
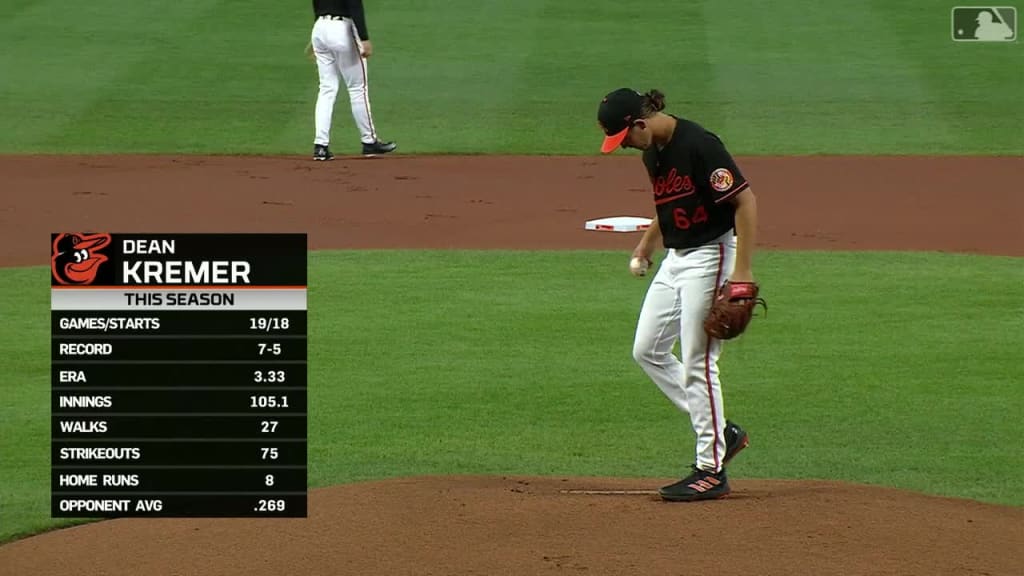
x: 465, y: 76
x: 898, y: 369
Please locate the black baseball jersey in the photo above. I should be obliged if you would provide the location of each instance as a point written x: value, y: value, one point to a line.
x: 349, y: 8
x: 693, y: 178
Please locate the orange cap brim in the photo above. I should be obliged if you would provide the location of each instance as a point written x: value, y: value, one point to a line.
x: 612, y: 142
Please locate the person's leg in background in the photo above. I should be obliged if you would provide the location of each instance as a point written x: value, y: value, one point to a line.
x: 327, y: 66
x: 352, y: 67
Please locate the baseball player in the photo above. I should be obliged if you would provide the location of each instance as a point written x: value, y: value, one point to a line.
x: 706, y: 219
x: 341, y: 45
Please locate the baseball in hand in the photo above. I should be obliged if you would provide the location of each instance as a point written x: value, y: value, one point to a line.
x: 638, y: 266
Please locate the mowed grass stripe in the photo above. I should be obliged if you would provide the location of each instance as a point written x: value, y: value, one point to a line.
x: 465, y: 77
x: 191, y: 77
x: 25, y: 405
x: 207, y: 77
x: 977, y: 89
x: 57, y: 60
x: 796, y: 78
x: 454, y: 79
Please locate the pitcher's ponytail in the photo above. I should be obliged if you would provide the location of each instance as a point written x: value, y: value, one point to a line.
x: 654, y: 101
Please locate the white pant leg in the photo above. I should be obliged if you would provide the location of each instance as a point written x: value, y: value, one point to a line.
x: 703, y: 270
x: 353, y: 70
x: 327, y: 66
x: 657, y: 330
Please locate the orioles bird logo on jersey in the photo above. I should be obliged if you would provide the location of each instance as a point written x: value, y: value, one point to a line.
x: 76, y: 257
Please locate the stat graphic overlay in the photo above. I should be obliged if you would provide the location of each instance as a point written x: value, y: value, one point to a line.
x: 178, y: 375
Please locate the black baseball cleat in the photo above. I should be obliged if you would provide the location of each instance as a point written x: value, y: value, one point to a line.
x: 736, y: 440
x: 701, y: 485
x: 321, y: 152
x: 378, y: 147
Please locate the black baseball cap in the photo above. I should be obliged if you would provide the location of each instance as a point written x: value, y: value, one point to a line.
x: 616, y: 114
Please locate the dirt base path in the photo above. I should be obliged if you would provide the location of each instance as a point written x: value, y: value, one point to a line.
x: 449, y: 526
x: 827, y: 203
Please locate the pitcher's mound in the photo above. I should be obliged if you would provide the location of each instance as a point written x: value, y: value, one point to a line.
x: 518, y: 525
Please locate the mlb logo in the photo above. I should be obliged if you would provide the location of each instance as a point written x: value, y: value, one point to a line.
x: 984, y: 24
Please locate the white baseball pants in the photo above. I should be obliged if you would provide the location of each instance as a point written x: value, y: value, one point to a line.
x: 674, y: 308
x: 336, y: 47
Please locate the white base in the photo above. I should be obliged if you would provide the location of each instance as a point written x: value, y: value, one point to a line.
x: 619, y: 224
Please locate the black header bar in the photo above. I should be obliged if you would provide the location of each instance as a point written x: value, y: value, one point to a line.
x: 124, y: 259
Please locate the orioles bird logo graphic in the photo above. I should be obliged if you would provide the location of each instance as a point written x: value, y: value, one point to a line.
x: 76, y: 257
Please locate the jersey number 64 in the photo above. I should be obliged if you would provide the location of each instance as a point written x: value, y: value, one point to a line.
x: 684, y: 221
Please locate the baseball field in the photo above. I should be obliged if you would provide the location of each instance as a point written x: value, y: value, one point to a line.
x: 471, y: 384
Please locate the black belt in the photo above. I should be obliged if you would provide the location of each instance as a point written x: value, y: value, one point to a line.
x: 330, y: 17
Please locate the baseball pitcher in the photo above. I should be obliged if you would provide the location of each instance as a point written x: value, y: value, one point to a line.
x: 704, y: 290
